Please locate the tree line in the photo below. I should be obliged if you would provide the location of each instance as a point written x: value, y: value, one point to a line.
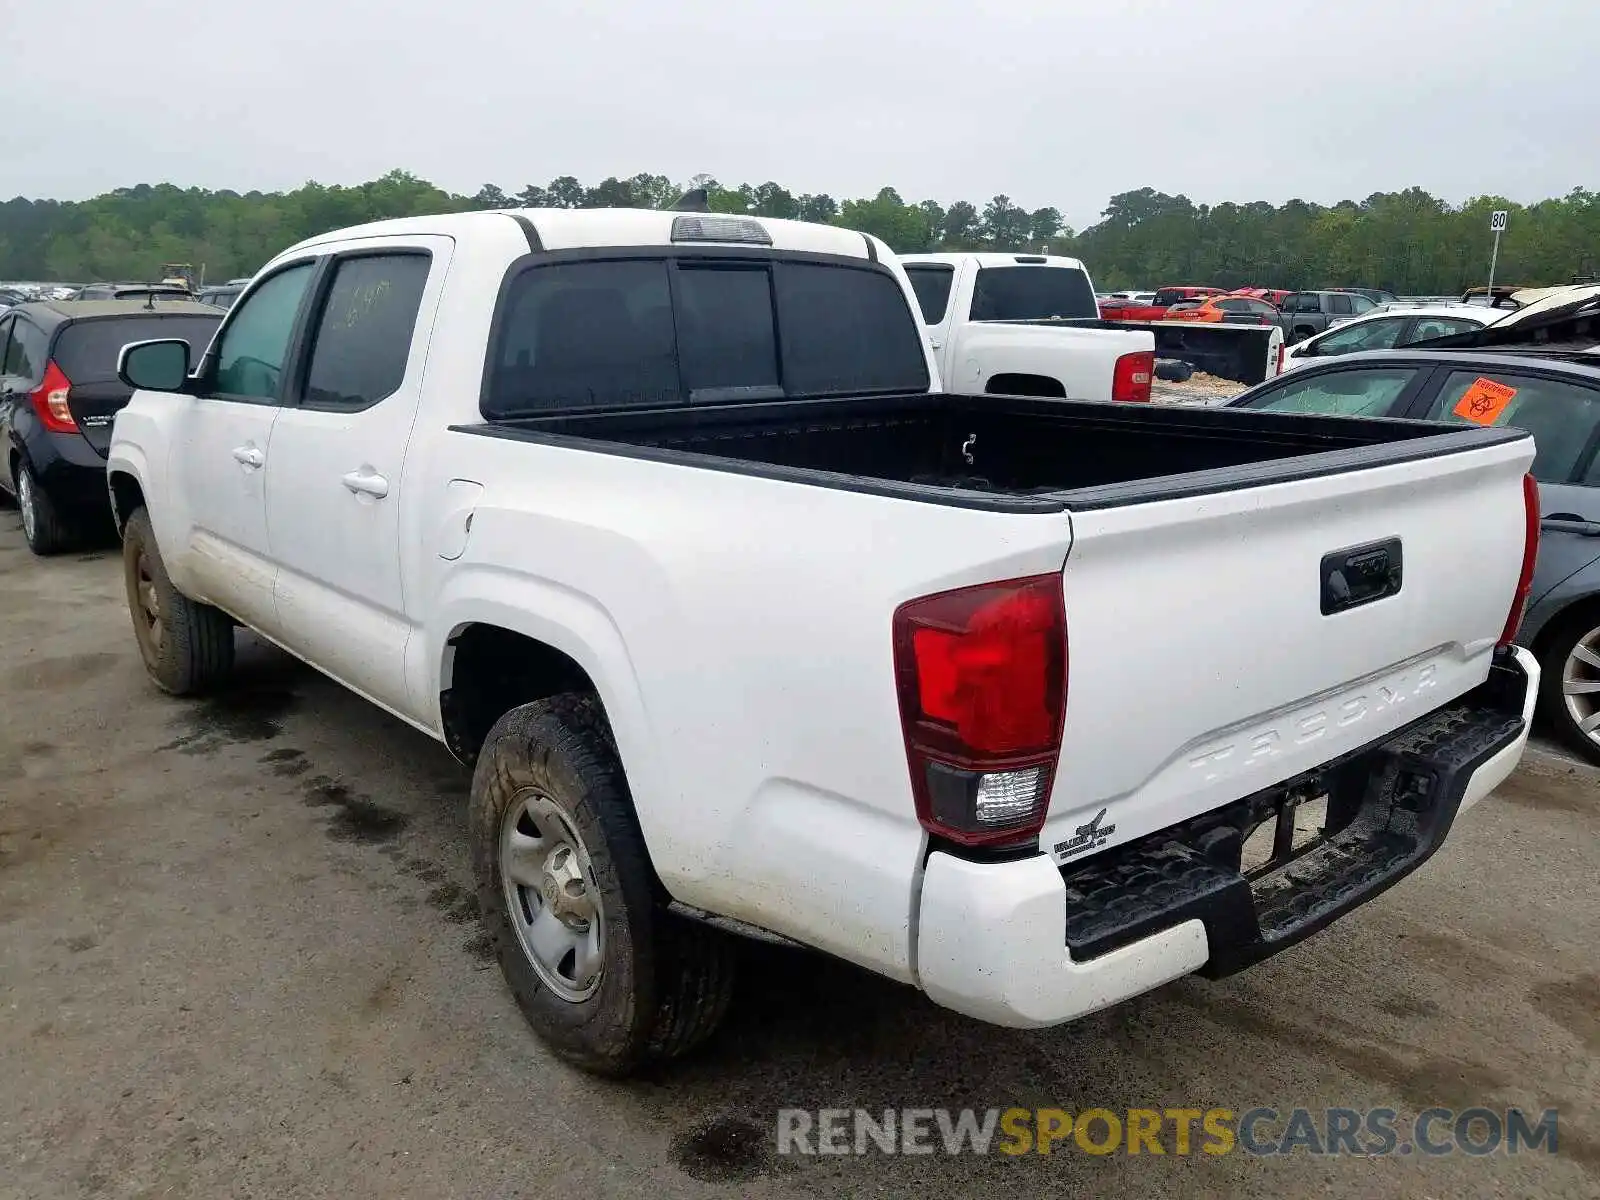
x: 1409, y: 242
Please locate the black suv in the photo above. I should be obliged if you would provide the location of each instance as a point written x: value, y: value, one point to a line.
x: 58, y: 395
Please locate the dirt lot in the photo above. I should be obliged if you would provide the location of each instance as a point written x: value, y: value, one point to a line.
x: 239, y: 957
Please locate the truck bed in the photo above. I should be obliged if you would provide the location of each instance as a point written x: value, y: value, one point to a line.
x: 1036, y: 455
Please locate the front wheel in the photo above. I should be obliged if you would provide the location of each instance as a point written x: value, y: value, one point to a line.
x: 187, y: 646
x: 1571, y: 683
x: 602, y: 971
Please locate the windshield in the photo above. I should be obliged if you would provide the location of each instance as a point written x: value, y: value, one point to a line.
x: 1030, y: 293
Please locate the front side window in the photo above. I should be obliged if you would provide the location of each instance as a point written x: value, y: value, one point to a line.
x: 255, y: 342
x: 1237, y: 306
x: 1360, y: 393
x: 932, y: 286
x: 1562, y: 416
x: 1032, y: 293
x: 1368, y: 335
x: 1363, y: 304
x: 363, y: 333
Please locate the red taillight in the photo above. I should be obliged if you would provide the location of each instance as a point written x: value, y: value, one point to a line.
x: 1530, y: 554
x: 982, y: 677
x: 50, y: 400
x: 1130, y: 378
x: 1282, y: 347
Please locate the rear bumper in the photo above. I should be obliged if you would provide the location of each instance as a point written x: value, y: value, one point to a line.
x: 1024, y: 943
x: 70, y: 471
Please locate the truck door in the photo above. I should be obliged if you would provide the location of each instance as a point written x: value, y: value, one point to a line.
x: 334, y: 488
x: 935, y: 286
x: 219, y: 455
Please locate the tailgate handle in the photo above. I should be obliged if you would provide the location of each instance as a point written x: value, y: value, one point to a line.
x: 1360, y: 575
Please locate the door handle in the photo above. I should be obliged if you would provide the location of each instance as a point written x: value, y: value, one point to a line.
x: 1570, y: 523
x: 366, y: 483
x: 248, y: 456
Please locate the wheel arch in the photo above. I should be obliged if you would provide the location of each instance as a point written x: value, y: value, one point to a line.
x: 1024, y: 383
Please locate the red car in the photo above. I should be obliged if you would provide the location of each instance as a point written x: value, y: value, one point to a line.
x: 1165, y: 298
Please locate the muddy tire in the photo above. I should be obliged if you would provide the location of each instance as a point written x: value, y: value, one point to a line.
x: 187, y: 646
x: 606, y: 976
x: 45, y: 529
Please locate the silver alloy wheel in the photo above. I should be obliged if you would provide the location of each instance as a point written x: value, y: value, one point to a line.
x: 25, y: 502
x: 1580, y: 684
x: 551, y: 896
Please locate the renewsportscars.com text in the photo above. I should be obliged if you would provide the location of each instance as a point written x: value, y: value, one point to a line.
x: 1264, y: 1132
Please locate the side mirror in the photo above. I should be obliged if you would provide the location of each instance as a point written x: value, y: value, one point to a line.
x: 159, y: 366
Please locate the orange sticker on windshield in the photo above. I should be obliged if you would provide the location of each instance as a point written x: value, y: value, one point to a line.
x: 1484, y: 401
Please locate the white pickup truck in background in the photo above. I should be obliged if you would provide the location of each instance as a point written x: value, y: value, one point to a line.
x: 1003, y: 324
x: 657, y: 519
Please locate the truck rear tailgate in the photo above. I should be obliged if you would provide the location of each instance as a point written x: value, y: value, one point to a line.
x: 1222, y: 643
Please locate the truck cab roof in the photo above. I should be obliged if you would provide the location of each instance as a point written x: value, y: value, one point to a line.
x: 990, y: 258
x: 589, y: 228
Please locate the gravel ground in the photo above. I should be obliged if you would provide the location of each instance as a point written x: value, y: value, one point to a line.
x: 239, y: 957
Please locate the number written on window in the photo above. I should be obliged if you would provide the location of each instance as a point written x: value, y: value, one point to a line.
x: 364, y: 331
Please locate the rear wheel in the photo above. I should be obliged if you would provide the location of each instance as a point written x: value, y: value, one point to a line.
x: 1571, y: 685
x: 1301, y: 333
x: 46, y: 531
x: 602, y: 971
x: 187, y: 646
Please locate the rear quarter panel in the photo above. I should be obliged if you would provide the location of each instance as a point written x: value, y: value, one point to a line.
x: 739, y: 632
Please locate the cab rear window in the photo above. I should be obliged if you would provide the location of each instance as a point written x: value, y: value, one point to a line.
x: 657, y: 332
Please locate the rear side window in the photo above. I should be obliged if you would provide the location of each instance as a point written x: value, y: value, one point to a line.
x: 87, y: 351
x: 27, y: 351
x: 1340, y: 306
x: 364, y: 330
x: 1356, y: 393
x: 1167, y: 297
x: 651, y: 333
x: 1562, y: 417
x: 1025, y: 293
x: 1427, y: 328
x: 1238, y: 306
x: 932, y: 286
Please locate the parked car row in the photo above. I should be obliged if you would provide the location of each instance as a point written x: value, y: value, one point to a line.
x: 1537, y: 369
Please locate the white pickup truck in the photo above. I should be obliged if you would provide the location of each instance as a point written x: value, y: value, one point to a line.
x: 656, y: 518
x: 1026, y: 325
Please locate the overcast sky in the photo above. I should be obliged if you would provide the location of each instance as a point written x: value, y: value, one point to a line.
x: 1057, y: 102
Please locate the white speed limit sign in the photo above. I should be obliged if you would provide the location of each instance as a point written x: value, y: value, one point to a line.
x: 1497, y: 220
